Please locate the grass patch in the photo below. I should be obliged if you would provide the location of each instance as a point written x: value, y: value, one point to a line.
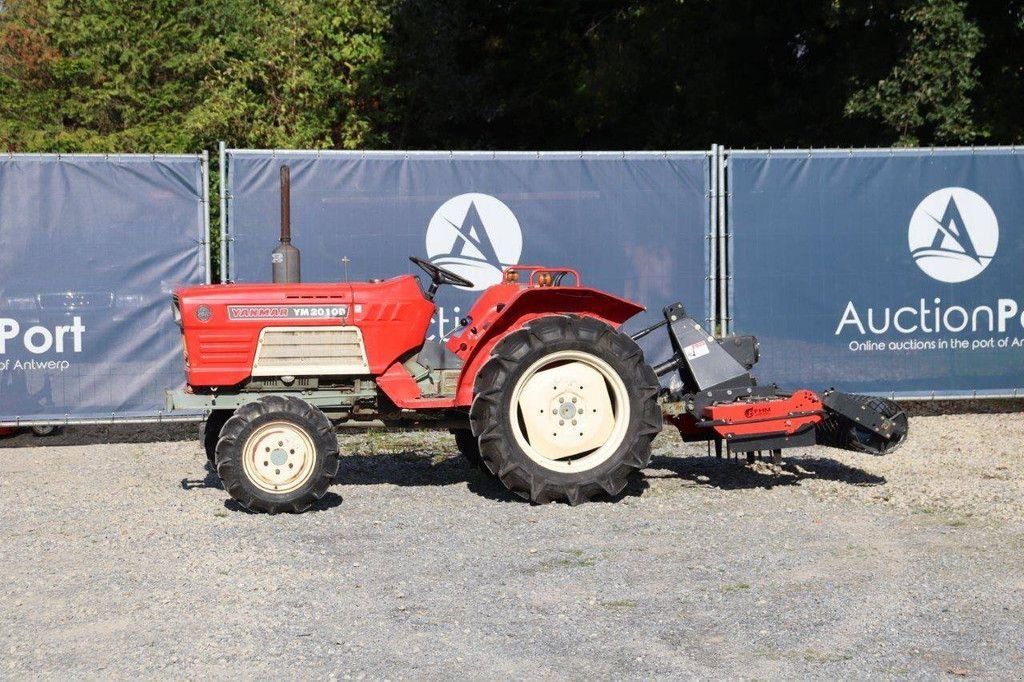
x: 571, y: 558
x: 737, y: 587
x: 814, y: 656
x: 619, y: 604
x: 575, y: 559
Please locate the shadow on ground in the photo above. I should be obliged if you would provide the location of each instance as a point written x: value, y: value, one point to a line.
x: 412, y: 469
x: 417, y: 468
x: 730, y: 474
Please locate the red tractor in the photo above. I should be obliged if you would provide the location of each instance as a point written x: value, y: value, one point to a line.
x: 540, y: 387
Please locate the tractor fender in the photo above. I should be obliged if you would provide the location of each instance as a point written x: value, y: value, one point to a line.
x: 474, y: 345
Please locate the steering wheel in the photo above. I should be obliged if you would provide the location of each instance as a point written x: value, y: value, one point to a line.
x: 439, y: 276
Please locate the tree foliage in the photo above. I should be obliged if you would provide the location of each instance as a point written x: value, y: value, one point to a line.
x: 104, y: 75
x: 928, y: 92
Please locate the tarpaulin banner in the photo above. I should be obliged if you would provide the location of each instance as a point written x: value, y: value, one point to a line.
x: 881, y: 271
x: 634, y: 224
x: 90, y: 250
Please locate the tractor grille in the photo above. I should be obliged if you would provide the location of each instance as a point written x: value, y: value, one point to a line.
x: 310, y: 351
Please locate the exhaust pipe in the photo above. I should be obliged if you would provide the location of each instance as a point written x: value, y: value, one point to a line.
x: 284, y: 260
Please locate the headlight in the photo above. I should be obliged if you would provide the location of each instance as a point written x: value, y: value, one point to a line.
x: 176, y: 311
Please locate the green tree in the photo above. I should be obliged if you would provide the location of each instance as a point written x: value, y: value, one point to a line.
x: 928, y: 94
x: 999, y: 97
x: 103, y: 75
x: 167, y: 76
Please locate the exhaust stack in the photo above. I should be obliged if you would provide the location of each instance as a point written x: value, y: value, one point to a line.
x: 284, y: 260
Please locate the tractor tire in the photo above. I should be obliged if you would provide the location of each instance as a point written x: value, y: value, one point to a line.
x: 565, y: 409
x: 469, y: 446
x: 211, y: 433
x: 277, y: 454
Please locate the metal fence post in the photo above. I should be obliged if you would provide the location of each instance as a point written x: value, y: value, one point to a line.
x: 723, y: 244
x: 712, y: 276
x: 205, y: 174
x: 223, y: 177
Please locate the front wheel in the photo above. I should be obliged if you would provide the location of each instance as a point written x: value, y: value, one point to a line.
x: 565, y: 409
x: 277, y: 454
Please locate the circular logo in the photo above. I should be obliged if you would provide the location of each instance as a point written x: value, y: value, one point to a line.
x: 475, y: 236
x: 953, y: 235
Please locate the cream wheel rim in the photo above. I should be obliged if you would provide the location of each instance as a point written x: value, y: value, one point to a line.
x: 278, y: 457
x: 569, y: 411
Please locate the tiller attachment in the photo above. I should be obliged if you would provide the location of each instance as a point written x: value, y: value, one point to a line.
x: 720, y: 400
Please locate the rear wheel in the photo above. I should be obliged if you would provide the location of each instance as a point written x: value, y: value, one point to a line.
x: 565, y: 409
x: 278, y: 454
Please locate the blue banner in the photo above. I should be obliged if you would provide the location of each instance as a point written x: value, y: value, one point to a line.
x: 881, y: 272
x: 634, y: 224
x: 92, y: 248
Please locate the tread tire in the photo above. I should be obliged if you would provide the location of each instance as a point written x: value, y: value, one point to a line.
x: 469, y: 446
x: 512, y: 356
x: 241, y: 425
x: 211, y: 433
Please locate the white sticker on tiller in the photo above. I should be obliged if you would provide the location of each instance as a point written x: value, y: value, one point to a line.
x: 696, y: 350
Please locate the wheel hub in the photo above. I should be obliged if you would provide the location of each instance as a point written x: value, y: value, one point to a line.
x: 278, y: 457
x: 566, y: 405
x: 566, y: 410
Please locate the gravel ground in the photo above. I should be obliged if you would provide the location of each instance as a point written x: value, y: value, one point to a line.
x: 121, y: 558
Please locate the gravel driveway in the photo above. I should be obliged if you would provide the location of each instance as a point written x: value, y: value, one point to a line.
x: 120, y: 557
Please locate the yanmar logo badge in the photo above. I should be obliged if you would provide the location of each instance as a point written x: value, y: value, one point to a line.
x: 279, y: 312
x: 475, y: 236
x: 953, y: 235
